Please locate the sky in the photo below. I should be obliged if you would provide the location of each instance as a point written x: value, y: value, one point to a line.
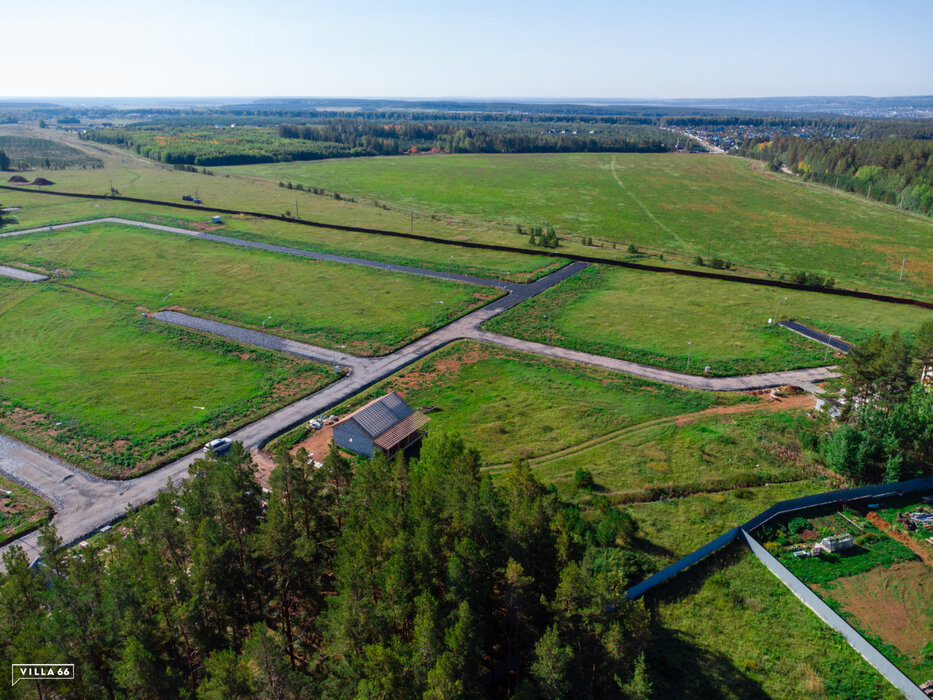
x: 480, y: 49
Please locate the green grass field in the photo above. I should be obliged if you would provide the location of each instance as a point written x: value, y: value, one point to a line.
x: 675, y: 527
x: 91, y: 381
x: 509, y: 404
x: 682, y: 204
x: 42, y: 210
x: 650, y: 318
x: 368, y: 311
x: 20, y: 510
x: 663, y: 459
x: 732, y: 630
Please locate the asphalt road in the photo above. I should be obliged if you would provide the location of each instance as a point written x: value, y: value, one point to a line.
x: 22, y: 275
x: 85, y: 503
x: 820, y: 337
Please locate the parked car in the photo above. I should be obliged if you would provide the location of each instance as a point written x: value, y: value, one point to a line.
x: 218, y: 446
x: 187, y: 198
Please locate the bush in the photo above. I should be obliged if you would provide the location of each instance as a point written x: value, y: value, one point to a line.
x: 798, y: 525
x: 631, y: 248
x: 583, y: 479
x: 698, y: 261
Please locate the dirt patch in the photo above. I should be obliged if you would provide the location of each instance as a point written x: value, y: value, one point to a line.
x: 317, y: 445
x: 413, y: 380
x: 202, y: 227
x: 889, y: 603
x: 780, y: 403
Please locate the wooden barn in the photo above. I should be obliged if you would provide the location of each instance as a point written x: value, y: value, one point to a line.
x: 387, y: 424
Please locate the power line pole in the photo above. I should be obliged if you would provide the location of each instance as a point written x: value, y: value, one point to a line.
x: 901, y: 278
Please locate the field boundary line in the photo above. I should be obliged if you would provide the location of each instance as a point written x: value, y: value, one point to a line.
x: 741, y: 279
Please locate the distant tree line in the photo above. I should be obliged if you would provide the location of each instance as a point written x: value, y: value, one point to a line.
x: 384, y: 138
x: 373, y: 579
x: 894, y: 170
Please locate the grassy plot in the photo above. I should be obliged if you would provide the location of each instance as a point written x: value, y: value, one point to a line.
x: 508, y: 404
x: 657, y: 319
x: 670, y: 458
x: 369, y: 311
x: 683, y: 204
x: 20, y: 510
x: 147, y: 180
x: 91, y: 381
x: 732, y: 630
x: 674, y: 527
x: 42, y: 210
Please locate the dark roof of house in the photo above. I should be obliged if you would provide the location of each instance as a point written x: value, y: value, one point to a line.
x: 378, y: 416
x: 405, y: 427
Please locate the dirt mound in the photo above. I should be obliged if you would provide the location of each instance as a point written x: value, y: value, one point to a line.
x: 42, y: 181
x: 17, y: 178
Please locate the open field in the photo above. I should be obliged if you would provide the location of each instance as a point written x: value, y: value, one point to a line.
x: 330, y: 304
x: 732, y: 630
x: 650, y: 318
x: 673, y: 528
x: 507, y: 404
x: 42, y: 210
x: 675, y: 458
x: 689, y: 205
x: 880, y: 586
x: 91, y: 381
x: 20, y: 510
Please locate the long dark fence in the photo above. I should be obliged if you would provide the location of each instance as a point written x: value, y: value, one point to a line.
x: 840, y: 497
x: 704, y: 274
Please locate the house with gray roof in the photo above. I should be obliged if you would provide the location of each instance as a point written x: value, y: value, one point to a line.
x: 387, y: 424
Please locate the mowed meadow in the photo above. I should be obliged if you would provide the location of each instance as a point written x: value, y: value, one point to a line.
x: 681, y: 204
x: 91, y: 381
x: 364, y: 310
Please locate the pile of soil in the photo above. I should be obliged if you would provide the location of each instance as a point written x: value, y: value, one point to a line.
x: 42, y: 181
x: 17, y: 178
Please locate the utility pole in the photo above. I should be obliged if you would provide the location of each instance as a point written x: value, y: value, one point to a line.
x: 197, y: 436
x: 689, y: 348
x: 412, y: 226
x: 296, y: 210
x: 709, y: 247
x: 901, y: 278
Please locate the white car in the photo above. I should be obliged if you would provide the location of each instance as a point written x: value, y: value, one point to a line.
x: 218, y: 446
